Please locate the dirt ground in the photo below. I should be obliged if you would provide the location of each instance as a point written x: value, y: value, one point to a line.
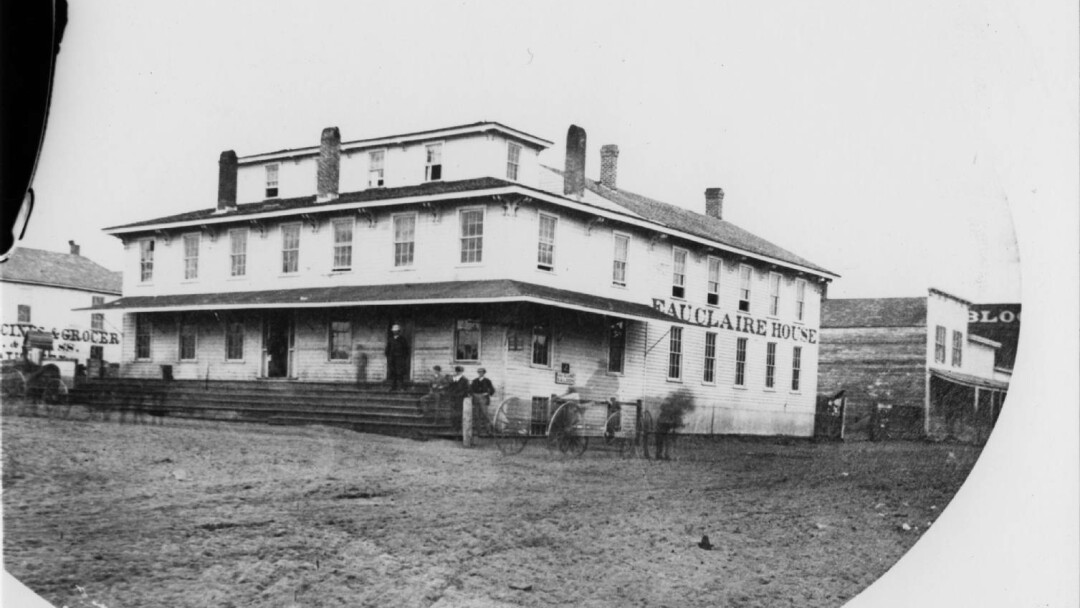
x: 102, y: 513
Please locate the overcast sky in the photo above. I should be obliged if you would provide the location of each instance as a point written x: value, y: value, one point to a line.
x: 880, y: 143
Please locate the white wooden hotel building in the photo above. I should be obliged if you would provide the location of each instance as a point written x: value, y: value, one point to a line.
x: 487, y: 258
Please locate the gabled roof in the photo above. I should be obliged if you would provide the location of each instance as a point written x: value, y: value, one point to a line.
x: 40, y: 267
x: 697, y: 224
x: 873, y: 312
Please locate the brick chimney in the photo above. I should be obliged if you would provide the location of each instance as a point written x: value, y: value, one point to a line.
x: 226, y: 193
x: 714, y: 202
x: 574, y: 171
x: 74, y: 247
x: 609, y: 165
x: 329, y: 165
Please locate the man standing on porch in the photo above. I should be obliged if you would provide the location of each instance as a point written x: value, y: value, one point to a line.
x: 397, y: 358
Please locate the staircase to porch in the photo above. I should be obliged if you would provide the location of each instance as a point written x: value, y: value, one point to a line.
x: 366, y: 408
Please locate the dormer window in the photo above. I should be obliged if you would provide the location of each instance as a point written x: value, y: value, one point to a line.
x: 433, y: 168
x: 376, y: 165
x: 271, y: 181
x: 513, y: 159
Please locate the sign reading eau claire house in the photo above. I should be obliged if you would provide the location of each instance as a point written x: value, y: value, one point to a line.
x: 712, y: 318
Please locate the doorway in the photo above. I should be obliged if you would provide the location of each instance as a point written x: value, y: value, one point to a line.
x: 278, y: 344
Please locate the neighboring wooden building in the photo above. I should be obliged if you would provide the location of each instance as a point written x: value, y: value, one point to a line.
x: 44, y: 290
x: 916, y: 356
x: 485, y: 257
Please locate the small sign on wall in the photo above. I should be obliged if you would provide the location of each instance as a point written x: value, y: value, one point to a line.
x: 564, y: 378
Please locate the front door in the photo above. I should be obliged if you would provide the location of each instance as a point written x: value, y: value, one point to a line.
x: 277, y: 344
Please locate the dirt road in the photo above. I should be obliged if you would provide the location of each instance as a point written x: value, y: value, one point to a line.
x: 238, y: 515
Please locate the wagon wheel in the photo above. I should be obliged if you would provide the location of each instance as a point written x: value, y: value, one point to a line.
x: 611, y: 427
x: 647, y: 431
x: 14, y: 385
x: 511, y: 434
x: 53, y: 391
x: 573, y: 443
x: 558, y: 426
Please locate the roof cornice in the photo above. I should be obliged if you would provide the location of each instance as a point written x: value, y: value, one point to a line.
x: 60, y: 286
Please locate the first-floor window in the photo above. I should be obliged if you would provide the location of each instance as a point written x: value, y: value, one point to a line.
x: 939, y: 344
x: 234, y: 341
x: 467, y: 340
x: 97, y: 353
x: 709, y: 376
x: 675, y: 354
x: 796, y: 367
x: 340, y: 340
x: 142, y: 336
x: 740, y: 362
x: 770, y: 365
x: 541, y: 344
x: 957, y: 348
x: 187, y: 340
x: 616, y: 345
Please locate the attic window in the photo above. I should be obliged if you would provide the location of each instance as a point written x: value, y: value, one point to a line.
x: 433, y: 168
x: 376, y: 166
x: 513, y: 160
x: 271, y: 181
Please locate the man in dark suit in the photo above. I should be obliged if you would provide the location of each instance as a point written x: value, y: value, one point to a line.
x: 458, y: 391
x: 397, y: 358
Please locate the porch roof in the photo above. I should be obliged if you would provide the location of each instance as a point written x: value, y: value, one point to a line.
x: 450, y: 292
x: 969, y: 380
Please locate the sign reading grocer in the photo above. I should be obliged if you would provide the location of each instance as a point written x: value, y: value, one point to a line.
x: 710, y: 317
x: 93, y: 336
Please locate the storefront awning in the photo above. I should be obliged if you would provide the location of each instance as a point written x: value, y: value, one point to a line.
x: 451, y: 292
x: 969, y: 380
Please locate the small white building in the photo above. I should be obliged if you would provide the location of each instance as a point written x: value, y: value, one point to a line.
x: 43, y: 290
x: 486, y: 257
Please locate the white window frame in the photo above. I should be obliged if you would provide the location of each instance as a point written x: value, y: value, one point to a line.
x: 708, y: 375
x: 412, y: 250
x: 746, y: 281
x: 97, y: 319
x: 273, y: 180
x: 180, y: 325
x: 513, y: 161
x: 462, y: 238
x: 191, y: 262
x: 615, y: 261
x: 433, y: 170
x: 377, y: 174
x: 741, y: 346
x: 238, y: 259
x: 714, y: 270
x: 146, y: 260
x: 479, y: 340
x: 540, y: 241
x: 796, y: 369
x: 675, y: 354
x: 330, y: 340
x: 939, y: 344
x: 776, y: 283
x: 957, y: 359
x: 678, y: 279
x: 339, y: 247
x: 770, y: 366
x: 800, y: 299
x: 299, y: 229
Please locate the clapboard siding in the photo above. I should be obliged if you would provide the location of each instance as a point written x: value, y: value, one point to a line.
x: 874, y: 365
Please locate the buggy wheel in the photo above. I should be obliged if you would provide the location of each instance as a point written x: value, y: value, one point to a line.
x: 510, y: 428
x: 572, y: 443
x: 648, y: 431
x: 611, y: 427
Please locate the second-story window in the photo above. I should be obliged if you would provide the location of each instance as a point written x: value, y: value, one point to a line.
x: 343, y: 239
x: 191, y: 257
x: 472, y: 236
x: 622, y: 250
x: 957, y: 348
x: 800, y: 299
x: 678, y: 279
x: 376, y: 167
x: 545, y: 257
x: 290, y: 248
x: 97, y: 319
x: 774, y: 293
x: 272, y: 180
x: 433, y: 167
x: 404, y: 240
x: 238, y: 252
x: 713, y: 296
x: 513, y: 160
x: 146, y: 260
x: 24, y: 313
x: 745, y: 272
x: 939, y: 344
